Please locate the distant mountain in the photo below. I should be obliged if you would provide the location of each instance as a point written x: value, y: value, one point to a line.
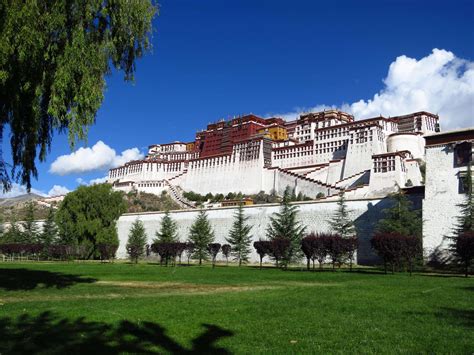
x: 19, y: 200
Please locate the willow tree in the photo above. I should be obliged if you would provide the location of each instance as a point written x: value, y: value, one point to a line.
x: 87, y: 217
x: 54, y: 56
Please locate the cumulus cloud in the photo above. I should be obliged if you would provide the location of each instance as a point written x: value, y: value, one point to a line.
x: 440, y: 83
x: 18, y: 190
x: 58, y: 190
x: 97, y: 158
x: 101, y: 180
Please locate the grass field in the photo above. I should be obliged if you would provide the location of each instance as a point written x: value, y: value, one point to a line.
x: 110, y: 308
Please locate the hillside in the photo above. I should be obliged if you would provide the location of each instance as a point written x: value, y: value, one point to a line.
x: 145, y: 202
x: 17, y: 206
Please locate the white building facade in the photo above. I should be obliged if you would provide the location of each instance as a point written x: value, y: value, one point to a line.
x: 448, y: 156
x: 323, y: 153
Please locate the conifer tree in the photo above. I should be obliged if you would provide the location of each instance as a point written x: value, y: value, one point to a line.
x: 50, y: 231
x: 239, y: 236
x: 201, y: 234
x: 136, y: 241
x: 462, y: 242
x: 30, y: 227
x: 168, y: 230
x: 401, y: 218
x: 13, y: 233
x: 341, y: 223
x: 465, y: 220
x: 2, y: 228
x: 284, y: 224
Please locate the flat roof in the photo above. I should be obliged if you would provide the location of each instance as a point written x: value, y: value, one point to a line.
x: 450, y: 136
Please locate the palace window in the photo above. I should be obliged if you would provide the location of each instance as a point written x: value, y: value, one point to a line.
x: 462, y: 154
x: 463, y: 182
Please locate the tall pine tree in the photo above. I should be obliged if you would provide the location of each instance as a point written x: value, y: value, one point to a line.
x: 401, y: 218
x: 462, y: 240
x: 239, y: 236
x: 201, y: 234
x: 284, y: 224
x: 465, y: 220
x: 30, y: 227
x: 168, y: 230
x: 341, y: 223
x: 49, y: 233
x: 136, y: 241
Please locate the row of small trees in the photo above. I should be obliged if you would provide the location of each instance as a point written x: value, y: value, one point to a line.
x: 285, y: 234
x: 315, y: 247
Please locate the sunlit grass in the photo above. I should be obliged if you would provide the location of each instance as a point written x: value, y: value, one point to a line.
x: 249, y: 310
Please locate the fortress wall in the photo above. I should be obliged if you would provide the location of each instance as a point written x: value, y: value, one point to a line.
x: 334, y: 172
x: 315, y: 215
x: 442, y: 197
x: 243, y: 176
x: 320, y: 174
x: 359, y: 156
x: 308, y: 188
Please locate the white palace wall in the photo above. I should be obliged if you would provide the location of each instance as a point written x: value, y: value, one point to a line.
x: 315, y: 215
x: 442, y: 197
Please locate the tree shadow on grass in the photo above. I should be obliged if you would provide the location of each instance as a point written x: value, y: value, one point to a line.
x: 463, y: 317
x: 24, y: 279
x: 459, y: 317
x: 49, y: 334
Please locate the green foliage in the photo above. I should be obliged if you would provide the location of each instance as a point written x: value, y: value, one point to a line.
x: 54, y: 56
x: 262, y: 198
x: 136, y: 241
x: 465, y: 220
x: 401, y: 218
x: 50, y: 231
x: 88, y: 215
x: 239, y: 236
x: 341, y: 223
x: 30, y: 227
x: 168, y: 230
x: 284, y: 224
x: 13, y: 233
x: 145, y: 202
x: 461, y: 240
x: 201, y: 234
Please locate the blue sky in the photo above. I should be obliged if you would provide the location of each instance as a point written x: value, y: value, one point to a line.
x: 217, y: 59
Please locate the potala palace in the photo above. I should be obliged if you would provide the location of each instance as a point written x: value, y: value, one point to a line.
x: 320, y: 154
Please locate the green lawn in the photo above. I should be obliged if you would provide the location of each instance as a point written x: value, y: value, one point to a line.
x: 110, y: 308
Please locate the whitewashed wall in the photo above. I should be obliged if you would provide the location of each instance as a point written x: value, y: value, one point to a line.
x: 315, y: 215
x: 441, y: 196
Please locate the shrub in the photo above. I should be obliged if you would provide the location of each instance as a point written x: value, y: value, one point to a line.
x: 465, y: 250
x: 213, y: 249
x: 189, y: 250
x: 350, y: 247
x: 396, y: 249
x: 226, y: 249
x: 107, y: 251
x: 336, y: 249
x: 263, y: 248
x: 279, y: 248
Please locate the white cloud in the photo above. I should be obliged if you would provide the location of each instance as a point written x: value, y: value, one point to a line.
x: 18, y: 190
x: 98, y: 180
x: 97, y: 158
x: 440, y: 83
x: 58, y: 190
